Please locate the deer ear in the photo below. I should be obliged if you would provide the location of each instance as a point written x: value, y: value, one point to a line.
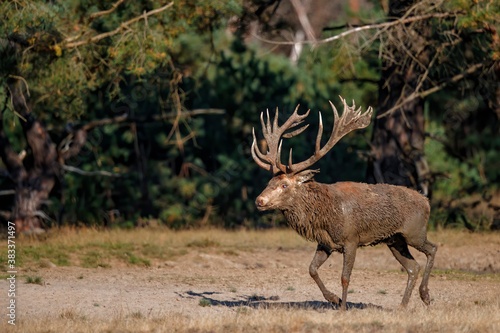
x: 305, y: 176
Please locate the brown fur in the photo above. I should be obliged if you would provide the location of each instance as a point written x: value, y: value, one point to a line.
x: 344, y: 216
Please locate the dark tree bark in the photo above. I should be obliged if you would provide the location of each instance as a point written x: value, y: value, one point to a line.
x: 398, y: 138
x: 33, y: 178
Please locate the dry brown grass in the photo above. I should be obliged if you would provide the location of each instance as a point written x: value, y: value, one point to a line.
x: 463, y: 237
x: 241, y: 239
x: 452, y: 318
x: 92, y: 248
x: 151, y: 244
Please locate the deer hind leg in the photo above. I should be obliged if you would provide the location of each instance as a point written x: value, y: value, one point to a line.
x: 319, y: 258
x: 400, y: 250
x: 429, y: 249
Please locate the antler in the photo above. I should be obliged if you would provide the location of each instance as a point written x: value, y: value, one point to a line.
x: 350, y: 120
x: 273, y: 135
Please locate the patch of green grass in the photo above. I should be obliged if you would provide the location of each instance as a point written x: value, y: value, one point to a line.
x: 377, y: 323
x: 55, y: 253
x: 61, y: 259
x: 34, y: 280
x: 452, y: 274
x: 290, y: 288
x: 203, y: 243
x: 153, y: 250
x: 34, y: 253
x: 133, y: 259
x: 162, y: 252
x: 119, y: 246
x: 383, y: 292
x: 205, y: 302
x: 62, y: 262
x: 137, y: 315
x: 94, y: 259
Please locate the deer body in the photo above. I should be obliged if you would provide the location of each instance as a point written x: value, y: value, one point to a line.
x: 335, y: 214
x: 343, y: 216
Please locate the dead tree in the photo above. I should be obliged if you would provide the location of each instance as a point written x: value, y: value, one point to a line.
x: 33, y: 178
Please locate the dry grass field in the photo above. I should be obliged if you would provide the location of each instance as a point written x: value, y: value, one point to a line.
x: 158, y: 280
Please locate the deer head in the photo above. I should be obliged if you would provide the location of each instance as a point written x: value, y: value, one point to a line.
x: 288, y: 179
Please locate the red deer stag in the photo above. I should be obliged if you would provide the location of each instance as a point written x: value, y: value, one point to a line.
x: 343, y: 216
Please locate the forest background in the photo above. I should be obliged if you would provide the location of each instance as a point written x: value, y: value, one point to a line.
x: 124, y: 113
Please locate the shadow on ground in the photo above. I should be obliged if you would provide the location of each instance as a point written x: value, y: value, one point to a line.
x: 271, y: 302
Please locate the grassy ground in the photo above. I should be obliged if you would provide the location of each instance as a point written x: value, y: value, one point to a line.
x: 128, y: 249
x: 91, y: 248
x: 454, y: 318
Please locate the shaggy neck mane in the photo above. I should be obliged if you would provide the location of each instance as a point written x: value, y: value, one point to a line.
x: 311, y: 211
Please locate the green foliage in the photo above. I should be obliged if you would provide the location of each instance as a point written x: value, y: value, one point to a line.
x: 192, y: 172
x: 34, y: 280
x: 465, y: 159
x: 204, y: 302
x: 133, y: 259
x: 209, y: 178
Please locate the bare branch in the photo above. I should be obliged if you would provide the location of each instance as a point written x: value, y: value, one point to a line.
x: 432, y: 90
x: 74, y: 141
x: 41, y: 214
x: 106, y: 12
x: 7, y: 192
x: 303, y: 19
x: 126, y: 118
x: 360, y: 28
x: 89, y: 173
x: 122, y: 26
x: 6, y: 214
x: 24, y: 80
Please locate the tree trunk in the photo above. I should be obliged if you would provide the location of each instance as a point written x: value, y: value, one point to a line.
x: 26, y: 213
x: 398, y: 138
x: 34, y: 177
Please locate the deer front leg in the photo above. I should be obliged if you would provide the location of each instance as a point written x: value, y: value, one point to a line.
x: 319, y: 258
x: 349, y: 256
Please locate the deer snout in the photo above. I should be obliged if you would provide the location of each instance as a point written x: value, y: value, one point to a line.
x: 261, y: 202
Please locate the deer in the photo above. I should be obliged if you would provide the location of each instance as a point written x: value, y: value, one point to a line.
x: 343, y: 216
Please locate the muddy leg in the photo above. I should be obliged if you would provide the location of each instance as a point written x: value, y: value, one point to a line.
x: 400, y: 250
x: 349, y: 257
x: 430, y: 250
x: 319, y: 258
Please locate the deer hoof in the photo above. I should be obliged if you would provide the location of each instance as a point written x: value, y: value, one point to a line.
x: 332, y: 298
x: 424, y: 295
x: 426, y: 299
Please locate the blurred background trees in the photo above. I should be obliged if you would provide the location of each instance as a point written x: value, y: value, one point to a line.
x: 120, y: 113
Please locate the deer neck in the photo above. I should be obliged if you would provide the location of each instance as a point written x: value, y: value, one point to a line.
x: 311, y: 212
